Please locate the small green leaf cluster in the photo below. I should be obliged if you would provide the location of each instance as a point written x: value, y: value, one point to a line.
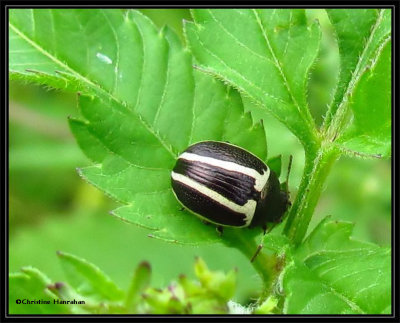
x: 209, y: 293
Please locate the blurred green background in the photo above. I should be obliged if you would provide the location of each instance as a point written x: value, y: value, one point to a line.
x: 51, y: 208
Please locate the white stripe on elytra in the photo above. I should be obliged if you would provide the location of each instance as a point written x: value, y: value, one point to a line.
x: 248, y: 209
x: 261, y: 179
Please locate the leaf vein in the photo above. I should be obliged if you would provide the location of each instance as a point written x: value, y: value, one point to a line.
x: 234, y: 71
x: 165, y: 87
x: 303, y: 112
x: 352, y: 273
x: 33, y: 22
x: 117, y: 44
x: 333, y: 128
x: 289, y: 32
x: 241, y: 44
x: 193, y: 112
x: 92, y: 85
x: 256, y: 100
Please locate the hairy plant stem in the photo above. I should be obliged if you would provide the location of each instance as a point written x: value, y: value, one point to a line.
x: 318, y: 164
x: 264, y: 263
x: 316, y: 170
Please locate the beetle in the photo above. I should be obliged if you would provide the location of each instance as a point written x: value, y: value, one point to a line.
x: 228, y: 186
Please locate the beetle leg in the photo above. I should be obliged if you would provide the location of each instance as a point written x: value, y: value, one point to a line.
x: 264, y: 227
x: 259, y: 247
x: 205, y: 222
x: 220, y: 230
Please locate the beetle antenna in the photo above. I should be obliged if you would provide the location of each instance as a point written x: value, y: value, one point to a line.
x: 288, y: 172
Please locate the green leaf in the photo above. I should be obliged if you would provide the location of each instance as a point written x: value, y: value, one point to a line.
x: 360, y: 115
x: 141, y: 104
x: 262, y: 54
x: 89, y: 280
x: 370, y: 132
x: 334, y: 274
x: 220, y: 284
x: 275, y: 163
x: 31, y: 285
x: 359, y: 33
x: 139, y: 282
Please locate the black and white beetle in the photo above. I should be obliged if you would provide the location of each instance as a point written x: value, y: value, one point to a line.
x: 226, y: 185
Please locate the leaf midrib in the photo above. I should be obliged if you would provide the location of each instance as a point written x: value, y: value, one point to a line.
x: 304, y: 113
x: 328, y: 284
x: 93, y: 85
x: 343, y: 297
x: 330, y: 129
x: 330, y: 289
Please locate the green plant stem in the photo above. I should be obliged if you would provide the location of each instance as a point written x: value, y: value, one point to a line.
x: 264, y: 264
x: 319, y: 161
x: 316, y: 170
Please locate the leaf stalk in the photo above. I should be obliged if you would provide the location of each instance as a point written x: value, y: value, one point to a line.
x: 265, y: 264
x: 316, y: 170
